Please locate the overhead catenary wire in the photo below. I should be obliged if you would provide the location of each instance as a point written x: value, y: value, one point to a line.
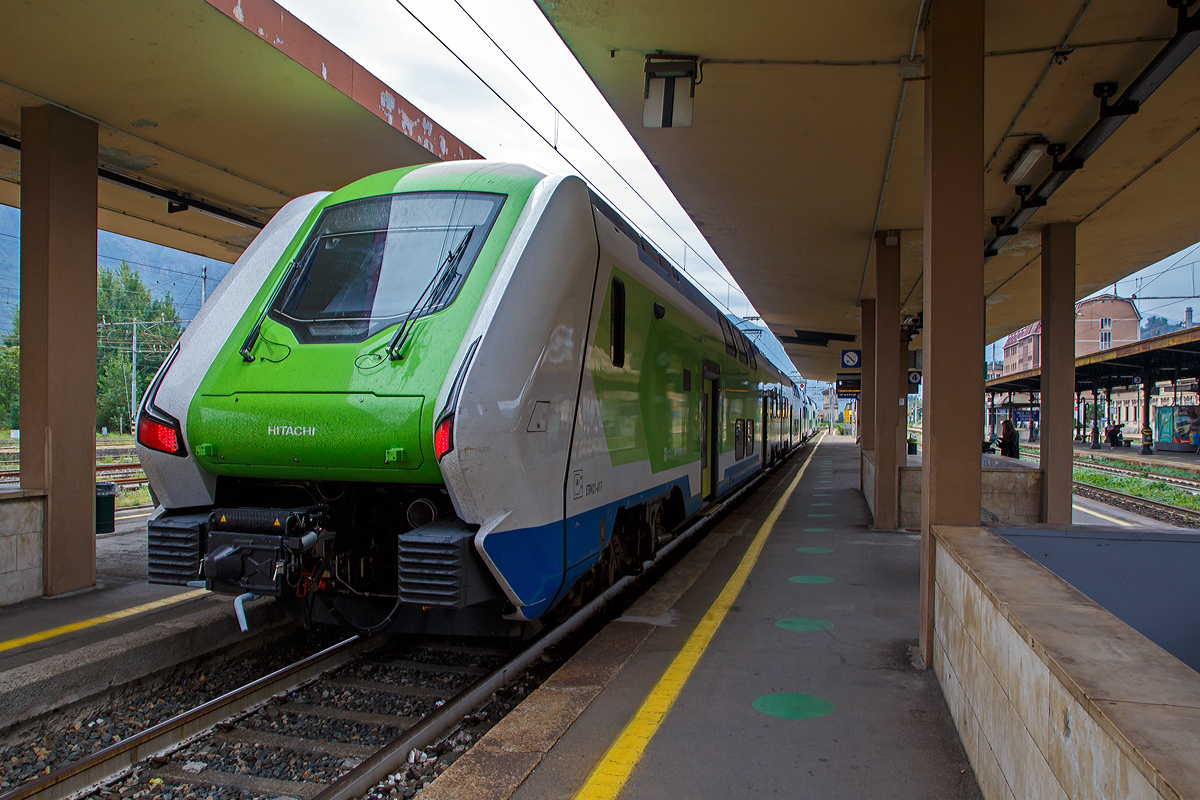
x: 569, y: 162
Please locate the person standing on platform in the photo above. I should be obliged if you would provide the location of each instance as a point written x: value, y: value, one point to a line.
x: 1010, y: 443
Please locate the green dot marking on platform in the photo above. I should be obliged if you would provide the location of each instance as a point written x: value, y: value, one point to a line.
x: 820, y: 515
x: 814, y: 550
x: 804, y: 624
x: 817, y: 530
x: 820, y: 494
x: 811, y: 579
x: 820, y: 504
x: 793, y: 705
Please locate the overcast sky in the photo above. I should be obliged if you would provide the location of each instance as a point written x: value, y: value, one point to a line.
x: 541, y: 109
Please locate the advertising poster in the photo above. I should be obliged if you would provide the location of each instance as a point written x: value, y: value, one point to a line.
x: 1178, y: 424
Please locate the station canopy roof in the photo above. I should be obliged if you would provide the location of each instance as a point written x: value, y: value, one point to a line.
x: 237, y: 106
x: 805, y: 139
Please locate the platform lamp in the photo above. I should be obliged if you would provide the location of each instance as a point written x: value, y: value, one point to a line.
x: 670, y: 90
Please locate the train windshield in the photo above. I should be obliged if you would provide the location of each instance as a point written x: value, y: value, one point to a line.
x: 368, y: 264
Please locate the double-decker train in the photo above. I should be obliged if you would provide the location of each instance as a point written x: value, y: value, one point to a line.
x: 447, y: 399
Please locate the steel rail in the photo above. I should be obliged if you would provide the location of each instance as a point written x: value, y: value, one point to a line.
x: 117, y: 759
x: 1166, y: 508
x: 132, y: 466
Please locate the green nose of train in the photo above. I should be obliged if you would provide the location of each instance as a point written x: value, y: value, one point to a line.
x: 334, y: 372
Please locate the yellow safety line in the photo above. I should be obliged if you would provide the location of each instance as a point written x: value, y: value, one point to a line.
x: 623, y: 755
x: 87, y: 623
x: 1078, y: 507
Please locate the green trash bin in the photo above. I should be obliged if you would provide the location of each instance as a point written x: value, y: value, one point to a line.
x: 106, y: 507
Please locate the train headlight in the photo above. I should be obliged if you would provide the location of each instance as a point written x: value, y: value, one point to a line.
x: 443, y: 437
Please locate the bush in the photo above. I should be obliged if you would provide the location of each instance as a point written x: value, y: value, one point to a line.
x: 841, y: 430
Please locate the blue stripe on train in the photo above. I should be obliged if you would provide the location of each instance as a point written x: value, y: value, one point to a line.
x: 531, y: 559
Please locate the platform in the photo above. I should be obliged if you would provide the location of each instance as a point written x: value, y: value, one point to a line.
x: 1188, y: 461
x: 807, y: 688
x: 55, y: 650
x: 120, y: 585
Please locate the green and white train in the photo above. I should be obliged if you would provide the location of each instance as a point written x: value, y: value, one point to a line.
x: 447, y: 399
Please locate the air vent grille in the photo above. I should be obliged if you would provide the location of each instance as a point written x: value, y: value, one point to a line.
x: 431, y: 570
x: 175, y: 547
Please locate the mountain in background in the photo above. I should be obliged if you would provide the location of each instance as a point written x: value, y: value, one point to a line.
x: 162, y: 269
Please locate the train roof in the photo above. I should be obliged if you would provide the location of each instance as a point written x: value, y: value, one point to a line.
x: 655, y: 260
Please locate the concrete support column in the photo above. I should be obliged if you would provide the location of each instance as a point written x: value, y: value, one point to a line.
x: 902, y: 415
x: 1058, y: 370
x: 58, y: 337
x: 887, y: 381
x: 867, y: 398
x: 953, y: 286
x: 866, y: 405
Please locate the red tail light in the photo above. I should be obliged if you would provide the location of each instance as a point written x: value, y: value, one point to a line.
x: 158, y: 435
x: 443, y: 442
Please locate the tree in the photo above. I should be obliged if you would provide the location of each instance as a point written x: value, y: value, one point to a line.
x: 10, y: 375
x: 1156, y: 326
x: 122, y: 298
x: 10, y: 396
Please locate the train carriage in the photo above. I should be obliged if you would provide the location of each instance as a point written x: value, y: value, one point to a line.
x: 448, y: 398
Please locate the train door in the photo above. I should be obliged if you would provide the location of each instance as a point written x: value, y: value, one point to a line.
x: 705, y: 467
x: 710, y: 416
x: 766, y: 428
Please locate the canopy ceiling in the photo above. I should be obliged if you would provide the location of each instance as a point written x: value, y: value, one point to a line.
x: 237, y: 104
x: 790, y: 166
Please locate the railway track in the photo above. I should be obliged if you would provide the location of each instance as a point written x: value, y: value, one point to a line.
x: 1132, y: 502
x: 1187, y: 485
x: 122, y: 474
x: 329, y: 726
x: 332, y: 725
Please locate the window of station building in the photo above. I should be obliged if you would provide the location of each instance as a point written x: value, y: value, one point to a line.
x: 617, y: 324
x: 1105, y: 340
x: 1106, y: 323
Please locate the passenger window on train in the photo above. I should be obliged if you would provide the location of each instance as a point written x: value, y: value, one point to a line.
x: 727, y: 332
x: 749, y: 437
x: 742, y: 347
x: 617, y: 324
x: 687, y: 380
x: 739, y: 441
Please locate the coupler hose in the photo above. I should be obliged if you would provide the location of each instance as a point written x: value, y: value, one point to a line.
x: 368, y: 632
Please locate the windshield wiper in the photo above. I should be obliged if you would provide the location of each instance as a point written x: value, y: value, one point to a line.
x: 448, y: 268
x: 248, y: 345
x: 252, y: 337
